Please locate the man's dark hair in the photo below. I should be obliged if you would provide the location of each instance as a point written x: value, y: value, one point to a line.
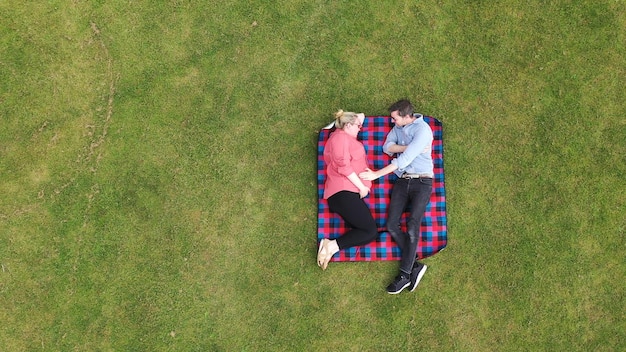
x: 403, y: 106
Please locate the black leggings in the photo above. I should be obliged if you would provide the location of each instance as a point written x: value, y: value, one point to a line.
x: 357, y: 215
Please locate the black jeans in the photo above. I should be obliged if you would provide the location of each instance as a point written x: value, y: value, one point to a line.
x: 357, y: 215
x: 416, y: 193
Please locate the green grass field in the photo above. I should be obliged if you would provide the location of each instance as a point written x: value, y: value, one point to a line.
x: 158, y: 191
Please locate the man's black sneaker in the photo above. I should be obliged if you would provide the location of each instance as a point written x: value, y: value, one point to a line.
x: 399, y: 284
x: 416, y: 275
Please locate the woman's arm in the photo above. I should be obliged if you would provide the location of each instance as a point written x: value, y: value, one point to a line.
x: 363, y: 191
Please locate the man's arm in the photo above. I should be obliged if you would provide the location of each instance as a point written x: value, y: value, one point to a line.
x: 390, y: 147
x: 394, y: 148
x: 390, y: 143
x: 370, y: 175
x: 421, y: 141
x: 407, y: 154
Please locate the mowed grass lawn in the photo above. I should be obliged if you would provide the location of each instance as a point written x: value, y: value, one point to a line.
x: 158, y: 191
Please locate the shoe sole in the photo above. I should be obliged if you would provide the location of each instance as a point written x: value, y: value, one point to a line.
x: 400, y: 290
x: 319, y: 249
x: 419, y: 277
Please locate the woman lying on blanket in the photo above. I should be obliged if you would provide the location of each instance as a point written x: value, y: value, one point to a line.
x: 345, y: 158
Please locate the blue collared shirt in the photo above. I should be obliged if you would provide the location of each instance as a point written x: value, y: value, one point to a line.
x: 417, y: 157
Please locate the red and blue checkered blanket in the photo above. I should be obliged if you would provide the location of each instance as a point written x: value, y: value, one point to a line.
x: 433, y: 231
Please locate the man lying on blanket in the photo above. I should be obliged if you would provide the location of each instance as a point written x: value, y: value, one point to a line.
x: 410, y: 141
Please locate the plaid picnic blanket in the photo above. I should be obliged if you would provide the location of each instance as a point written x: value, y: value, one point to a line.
x: 433, y: 231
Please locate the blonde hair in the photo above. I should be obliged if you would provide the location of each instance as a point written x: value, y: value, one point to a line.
x: 344, y: 117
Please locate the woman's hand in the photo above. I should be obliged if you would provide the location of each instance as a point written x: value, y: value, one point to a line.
x: 363, y: 190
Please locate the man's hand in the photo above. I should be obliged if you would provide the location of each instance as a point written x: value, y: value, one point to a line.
x: 368, y: 175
